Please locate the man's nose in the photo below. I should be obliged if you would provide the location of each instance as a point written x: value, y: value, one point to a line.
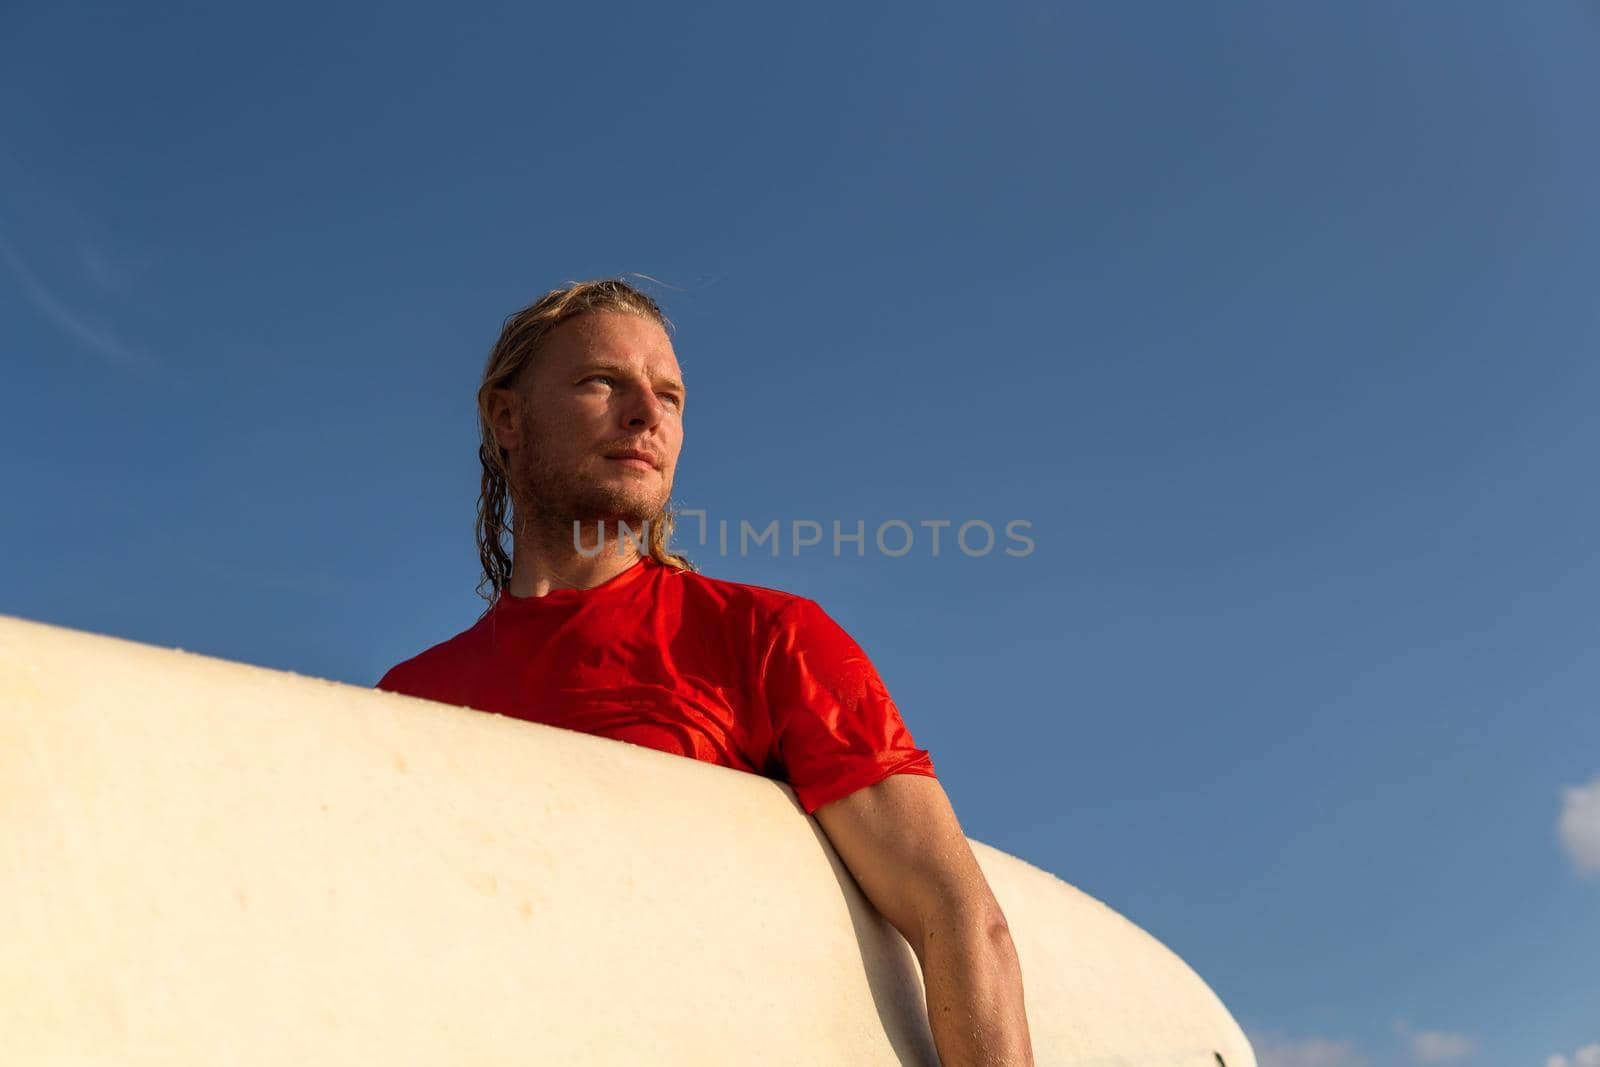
x: 644, y: 409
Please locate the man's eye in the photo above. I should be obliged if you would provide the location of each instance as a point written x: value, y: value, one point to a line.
x: 671, y: 398
x: 599, y: 378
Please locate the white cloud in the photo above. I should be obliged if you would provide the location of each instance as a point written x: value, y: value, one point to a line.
x: 70, y: 321
x: 1587, y: 1056
x: 1579, y: 828
x: 1434, y: 1046
x: 98, y: 268
x: 1438, y: 1046
x: 1275, y: 1050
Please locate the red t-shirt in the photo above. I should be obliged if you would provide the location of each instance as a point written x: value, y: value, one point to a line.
x: 740, y: 675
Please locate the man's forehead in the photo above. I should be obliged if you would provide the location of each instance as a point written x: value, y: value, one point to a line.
x: 613, y: 336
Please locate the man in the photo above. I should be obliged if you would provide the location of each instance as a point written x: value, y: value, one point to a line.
x: 581, y: 415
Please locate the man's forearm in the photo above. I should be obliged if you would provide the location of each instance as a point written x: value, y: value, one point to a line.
x: 974, y: 989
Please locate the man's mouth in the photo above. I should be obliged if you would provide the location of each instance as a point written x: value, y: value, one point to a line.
x: 634, y: 458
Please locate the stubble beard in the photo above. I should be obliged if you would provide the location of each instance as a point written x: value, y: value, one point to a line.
x: 548, y: 501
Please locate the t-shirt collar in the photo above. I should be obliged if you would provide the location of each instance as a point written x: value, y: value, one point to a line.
x: 509, y: 602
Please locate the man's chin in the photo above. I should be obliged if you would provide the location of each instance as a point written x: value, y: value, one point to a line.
x: 610, y: 511
x: 615, y: 514
x: 614, y: 524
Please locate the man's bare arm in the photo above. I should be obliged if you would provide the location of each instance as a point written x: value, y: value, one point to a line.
x: 902, y: 843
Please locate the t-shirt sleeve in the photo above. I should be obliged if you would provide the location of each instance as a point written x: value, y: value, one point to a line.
x: 418, y: 677
x: 835, y: 729
x: 399, y: 679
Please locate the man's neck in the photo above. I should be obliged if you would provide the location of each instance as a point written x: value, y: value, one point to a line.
x: 546, y: 560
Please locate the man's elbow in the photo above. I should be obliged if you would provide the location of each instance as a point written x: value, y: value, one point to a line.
x: 973, y: 917
x: 997, y: 932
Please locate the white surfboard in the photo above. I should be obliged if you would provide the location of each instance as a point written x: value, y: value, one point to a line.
x: 208, y: 863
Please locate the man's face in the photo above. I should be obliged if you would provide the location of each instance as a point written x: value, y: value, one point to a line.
x: 605, y: 384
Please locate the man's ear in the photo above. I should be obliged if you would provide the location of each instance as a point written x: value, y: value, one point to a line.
x: 504, y: 408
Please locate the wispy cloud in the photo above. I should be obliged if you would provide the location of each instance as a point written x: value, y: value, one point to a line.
x: 1587, y: 1056
x: 57, y: 310
x: 1579, y: 827
x: 1434, y: 1046
x: 99, y: 269
x: 1276, y: 1050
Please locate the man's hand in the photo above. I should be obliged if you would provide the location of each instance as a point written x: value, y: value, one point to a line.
x: 901, y: 841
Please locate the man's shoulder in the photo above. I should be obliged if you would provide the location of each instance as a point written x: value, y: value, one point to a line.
x: 762, y: 602
x: 772, y: 621
x: 418, y: 676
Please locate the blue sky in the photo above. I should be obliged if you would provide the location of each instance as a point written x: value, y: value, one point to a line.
x: 1269, y: 319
